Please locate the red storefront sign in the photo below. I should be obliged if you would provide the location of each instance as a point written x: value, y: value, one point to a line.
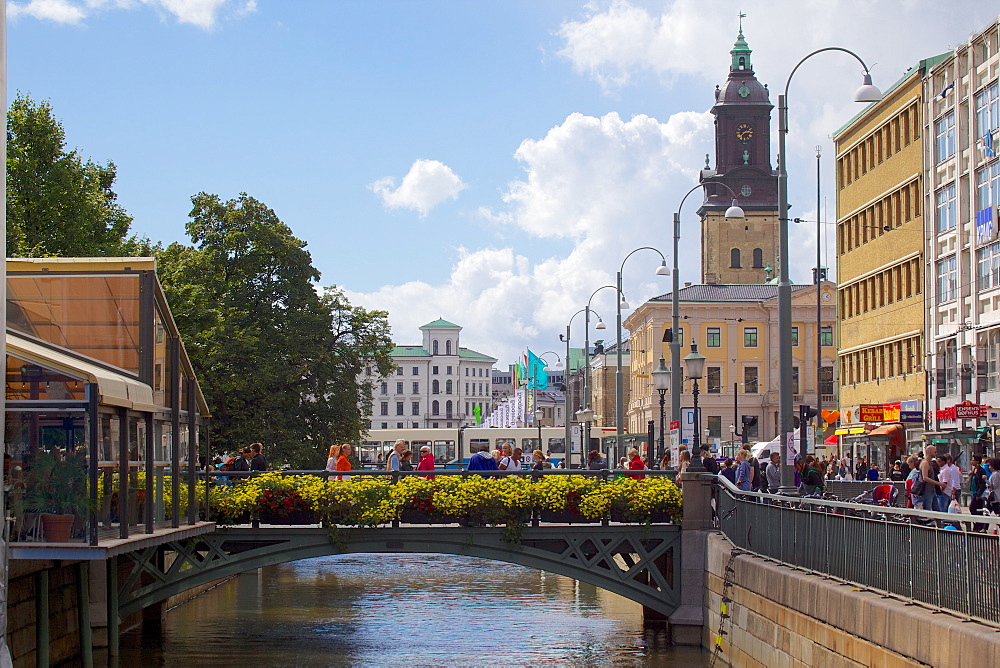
x: 871, y: 412
x: 963, y: 411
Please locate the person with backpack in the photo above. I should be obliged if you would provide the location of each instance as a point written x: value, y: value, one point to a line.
x: 392, y: 462
x: 812, y: 479
x: 482, y: 461
x: 977, y: 490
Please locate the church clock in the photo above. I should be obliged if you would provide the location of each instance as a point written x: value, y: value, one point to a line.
x: 744, y: 132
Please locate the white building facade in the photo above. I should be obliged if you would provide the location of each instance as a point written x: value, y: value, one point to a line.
x: 437, y: 384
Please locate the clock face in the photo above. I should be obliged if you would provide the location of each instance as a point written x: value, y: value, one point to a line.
x: 744, y: 132
x: 826, y: 296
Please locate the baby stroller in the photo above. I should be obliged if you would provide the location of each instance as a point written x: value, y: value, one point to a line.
x: 885, y: 495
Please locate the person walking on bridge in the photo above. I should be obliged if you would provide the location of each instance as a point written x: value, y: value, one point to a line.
x: 426, y: 462
x: 483, y: 461
x: 932, y: 485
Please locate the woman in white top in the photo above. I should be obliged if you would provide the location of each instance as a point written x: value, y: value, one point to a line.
x: 331, y: 462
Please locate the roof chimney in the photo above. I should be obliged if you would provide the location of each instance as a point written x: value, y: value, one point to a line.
x: 687, y: 284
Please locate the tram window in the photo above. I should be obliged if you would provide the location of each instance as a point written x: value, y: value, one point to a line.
x: 415, y: 447
x: 557, y: 445
x: 512, y: 442
x: 444, y: 451
x: 529, y: 445
x: 476, y: 443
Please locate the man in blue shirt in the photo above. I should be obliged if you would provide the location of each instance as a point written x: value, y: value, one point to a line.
x: 483, y: 460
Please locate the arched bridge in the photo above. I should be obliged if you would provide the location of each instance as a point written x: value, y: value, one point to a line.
x: 639, y: 562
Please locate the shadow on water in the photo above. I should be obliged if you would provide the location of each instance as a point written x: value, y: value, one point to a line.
x: 405, y: 610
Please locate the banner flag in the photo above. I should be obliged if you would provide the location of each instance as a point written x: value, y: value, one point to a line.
x: 538, y: 376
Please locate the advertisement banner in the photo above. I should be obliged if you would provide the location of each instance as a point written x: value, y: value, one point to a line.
x: 871, y: 413
x: 792, y: 447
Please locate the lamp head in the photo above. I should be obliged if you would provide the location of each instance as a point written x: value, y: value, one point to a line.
x: 585, y: 415
x: 735, y: 211
x: 694, y: 362
x: 661, y: 376
x: 623, y: 305
x: 600, y: 324
x: 662, y: 270
x: 867, y: 92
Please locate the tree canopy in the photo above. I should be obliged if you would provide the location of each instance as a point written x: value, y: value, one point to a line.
x: 59, y: 204
x: 278, y: 361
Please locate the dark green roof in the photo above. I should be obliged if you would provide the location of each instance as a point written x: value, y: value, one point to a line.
x: 466, y: 354
x: 409, y: 351
x: 439, y: 323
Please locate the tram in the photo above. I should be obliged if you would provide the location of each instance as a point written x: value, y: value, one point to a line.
x: 453, y: 447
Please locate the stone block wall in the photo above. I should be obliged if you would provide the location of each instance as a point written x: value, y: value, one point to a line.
x: 781, y: 616
x: 64, y: 637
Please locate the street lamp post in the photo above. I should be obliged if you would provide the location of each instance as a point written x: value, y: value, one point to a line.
x: 539, y: 414
x: 586, y: 353
x: 661, y: 381
x: 600, y: 325
x: 694, y: 365
x: 662, y: 270
x: 733, y: 211
x: 866, y: 93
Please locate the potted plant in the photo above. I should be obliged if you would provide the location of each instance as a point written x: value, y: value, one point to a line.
x: 56, y: 487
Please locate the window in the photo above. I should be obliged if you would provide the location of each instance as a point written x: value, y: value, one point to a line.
x: 434, y: 370
x: 399, y: 388
x: 436, y: 387
x: 416, y: 371
x: 384, y: 409
x: 467, y: 387
x: 399, y: 425
x: 385, y: 425
x: 826, y: 380
x: 385, y: 388
x: 950, y: 367
x: 434, y: 347
x: 447, y: 387
x: 795, y: 336
x: 947, y: 280
x: 988, y: 186
x: 750, y: 383
x: 758, y: 258
x: 795, y: 380
x: 399, y: 371
x: 749, y: 337
x: 944, y: 130
x: 714, y: 337
x: 987, y: 110
x: 714, y: 380
x: 399, y: 408
x: 715, y: 426
x: 826, y: 335
x: 734, y: 259
x: 466, y: 371
x: 416, y: 388
x: 435, y: 407
x: 447, y: 408
x: 447, y: 371
x: 415, y: 408
x: 945, y: 212
x: 447, y: 348
x: 750, y: 427
x: 988, y: 263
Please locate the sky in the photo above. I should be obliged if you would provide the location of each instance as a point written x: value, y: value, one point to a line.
x: 490, y: 163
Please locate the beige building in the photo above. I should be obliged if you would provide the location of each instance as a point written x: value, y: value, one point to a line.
x: 880, y: 250
x: 603, y: 369
x: 736, y: 328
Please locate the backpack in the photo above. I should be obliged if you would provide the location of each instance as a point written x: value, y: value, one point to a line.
x: 917, y: 488
x: 228, y: 466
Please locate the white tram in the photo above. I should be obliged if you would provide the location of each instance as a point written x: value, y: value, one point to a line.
x: 454, y: 446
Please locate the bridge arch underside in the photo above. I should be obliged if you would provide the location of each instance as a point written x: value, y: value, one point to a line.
x: 641, y: 563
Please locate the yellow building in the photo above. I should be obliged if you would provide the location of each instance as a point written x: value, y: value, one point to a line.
x: 880, y: 252
x: 736, y: 328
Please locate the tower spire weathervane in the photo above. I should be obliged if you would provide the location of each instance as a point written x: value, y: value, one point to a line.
x: 742, y: 16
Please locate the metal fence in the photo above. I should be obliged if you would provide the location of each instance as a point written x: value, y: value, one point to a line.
x: 935, y: 559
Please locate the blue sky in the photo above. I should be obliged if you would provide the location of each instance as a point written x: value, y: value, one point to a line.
x: 486, y: 162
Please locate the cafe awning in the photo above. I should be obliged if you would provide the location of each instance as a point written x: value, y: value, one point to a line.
x: 116, y: 389
x: 894, y: 433
x: 846, y: 431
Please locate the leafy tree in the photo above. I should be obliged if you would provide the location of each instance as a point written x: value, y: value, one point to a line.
x: 57, y: 203
x: 279, y: 363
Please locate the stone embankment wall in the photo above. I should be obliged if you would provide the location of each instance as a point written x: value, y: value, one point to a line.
x: 64, y: 636
x: 779, y: 616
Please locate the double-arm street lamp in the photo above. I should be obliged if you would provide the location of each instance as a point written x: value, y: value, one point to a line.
x: 581, y: 414
x: 694, y: 365
x: 866, y: 93
x: 586, y: 414
x: 661, y: 381
x: 733, y: 211
x: 619, y: 387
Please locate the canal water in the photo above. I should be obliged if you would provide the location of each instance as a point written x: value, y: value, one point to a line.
x: 405, y: 610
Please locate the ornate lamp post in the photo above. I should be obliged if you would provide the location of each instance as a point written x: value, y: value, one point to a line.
x: 661, y: 381
x: 662, y: 270
x: 866, y: 93
x: 694, y: 365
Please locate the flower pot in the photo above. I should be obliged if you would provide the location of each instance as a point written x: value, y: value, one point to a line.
x: 564, y: 517
x: 294, y: 517
x: 423, y: 517
x: 57, y: 528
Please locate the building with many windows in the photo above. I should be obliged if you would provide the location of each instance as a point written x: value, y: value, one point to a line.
x: 436, y: 384
x: 961, y: 98
x: 736, y: 328
x: 880, y: 252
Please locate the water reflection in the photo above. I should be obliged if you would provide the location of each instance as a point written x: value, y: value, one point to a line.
x: 395, y: 610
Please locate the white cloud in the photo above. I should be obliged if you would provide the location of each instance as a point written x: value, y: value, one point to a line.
x: 607, y: 183
x: 60, y: 11
x: 200, y: 13
x: 427, y: 184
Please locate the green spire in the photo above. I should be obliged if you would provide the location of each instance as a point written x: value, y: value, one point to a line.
x: 741, y: 54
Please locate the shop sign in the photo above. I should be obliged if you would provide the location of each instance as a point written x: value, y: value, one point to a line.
x: 890, y: 412
x: 871, y: 413
x: 986, y: 228
x: 963, y: 411
x: 911, y: 417
x: 911, y: 405
x: 993, y: 416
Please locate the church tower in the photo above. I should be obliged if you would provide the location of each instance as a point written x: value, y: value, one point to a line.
x: 738, y: 251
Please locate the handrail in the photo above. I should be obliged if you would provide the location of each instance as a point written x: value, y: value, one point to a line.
x: 445, y: 472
